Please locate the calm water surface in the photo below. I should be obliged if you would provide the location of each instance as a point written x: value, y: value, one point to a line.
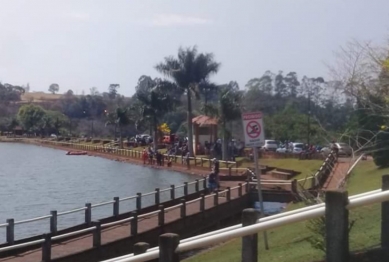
x: 35, y: 180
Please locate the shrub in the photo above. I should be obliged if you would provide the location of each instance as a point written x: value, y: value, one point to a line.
x: 106, y: 142
x: 96, y: 141
x: 88, y: 140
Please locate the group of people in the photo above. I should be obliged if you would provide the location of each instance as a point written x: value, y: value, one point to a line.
x: 149, y: 155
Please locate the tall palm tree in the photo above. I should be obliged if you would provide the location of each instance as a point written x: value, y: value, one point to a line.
x: 157, y: 97
x: 188, y: 71
x: 227, y: 109
x: 119, y: 119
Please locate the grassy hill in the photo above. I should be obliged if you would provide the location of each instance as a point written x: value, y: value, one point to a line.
x: 289, y: 243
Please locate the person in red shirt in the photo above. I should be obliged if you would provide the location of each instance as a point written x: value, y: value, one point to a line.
x: 144, y: 156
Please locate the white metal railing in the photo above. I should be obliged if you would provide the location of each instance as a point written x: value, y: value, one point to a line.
x: 275, y: 222
x: 89, y: 229
x: 24, y: 221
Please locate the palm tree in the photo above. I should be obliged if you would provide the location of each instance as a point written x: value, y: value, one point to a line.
x: 226, y: 110
x: 157, y: 97
x: 188, y: 71
x: 120, y: 119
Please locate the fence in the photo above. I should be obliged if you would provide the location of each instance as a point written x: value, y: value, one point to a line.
x: 170, y: 193
x: 197, y: 161
x: 335, y: 210
x: 95, y: 227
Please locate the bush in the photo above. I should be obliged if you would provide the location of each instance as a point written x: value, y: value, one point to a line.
x: 381, y: 154
x: 106, y: 142
x: 88, y: 140
x: 67, y: 138
x: 96, y: 141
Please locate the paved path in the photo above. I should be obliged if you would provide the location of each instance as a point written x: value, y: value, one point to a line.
x: 337, y: 175
x: 114, y: 233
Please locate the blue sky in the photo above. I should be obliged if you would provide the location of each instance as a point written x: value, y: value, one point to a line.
x: 83, y: 43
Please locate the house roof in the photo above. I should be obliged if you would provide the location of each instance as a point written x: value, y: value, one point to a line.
x: 202, y: 120
x: 18, y: 128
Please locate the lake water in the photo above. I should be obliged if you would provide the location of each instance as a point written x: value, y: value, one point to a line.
x: 35, y: 180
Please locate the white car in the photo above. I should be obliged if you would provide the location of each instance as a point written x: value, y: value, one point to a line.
x: 282, y: 150
x: 298, y: 148
x: 270, y: 145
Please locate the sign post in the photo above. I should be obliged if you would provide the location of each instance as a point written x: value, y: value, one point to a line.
x: 255, y: 137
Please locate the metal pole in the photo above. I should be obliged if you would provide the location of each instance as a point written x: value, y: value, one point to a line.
x: 257, y: 172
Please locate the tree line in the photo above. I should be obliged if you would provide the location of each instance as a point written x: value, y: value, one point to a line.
x: 307, y: 109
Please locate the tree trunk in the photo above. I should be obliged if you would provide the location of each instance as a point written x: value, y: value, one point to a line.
x: 190, y: 128
x: 120, y: 137
x: 155, y: 137
x: 224, y: 143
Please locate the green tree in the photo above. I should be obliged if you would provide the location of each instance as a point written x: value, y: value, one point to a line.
x: 120, y: 118
x: 188, y: 71
x: 113, y: 90
x: 156, y: 97
x: 53, y: 88
x: 226, y: 110
x: 31, y: 116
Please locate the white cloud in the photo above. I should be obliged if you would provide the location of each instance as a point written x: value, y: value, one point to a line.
x: 78, y: 16
x: 178, y: 20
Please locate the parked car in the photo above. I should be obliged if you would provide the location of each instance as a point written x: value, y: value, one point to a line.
x: 343, y: 149
x: 283, y: 150
x: 270, y: 145
x: 298, y: 148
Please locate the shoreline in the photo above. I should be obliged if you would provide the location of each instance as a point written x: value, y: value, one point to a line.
x: 200, y: 172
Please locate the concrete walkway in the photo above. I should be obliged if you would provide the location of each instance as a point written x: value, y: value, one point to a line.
x: 337, y: 175
x: 116, y: 232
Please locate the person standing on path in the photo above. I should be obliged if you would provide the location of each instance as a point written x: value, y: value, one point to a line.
x: 216, y: 169
x: 187, y: 158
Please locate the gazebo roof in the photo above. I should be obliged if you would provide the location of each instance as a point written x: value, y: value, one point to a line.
x: 202, y: 120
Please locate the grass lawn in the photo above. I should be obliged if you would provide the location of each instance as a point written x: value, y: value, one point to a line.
x: 289, y: 243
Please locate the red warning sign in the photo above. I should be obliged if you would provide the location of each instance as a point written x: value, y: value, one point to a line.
x: 253, y: 129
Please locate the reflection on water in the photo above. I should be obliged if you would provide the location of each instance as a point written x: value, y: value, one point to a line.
x: 35, y: 180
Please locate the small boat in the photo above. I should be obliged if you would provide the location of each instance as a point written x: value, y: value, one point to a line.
x: 76, y: 153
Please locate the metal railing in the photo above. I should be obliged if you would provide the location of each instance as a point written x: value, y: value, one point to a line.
x: 97, y: 226
x: 264, y: 224
x: 10, y: 223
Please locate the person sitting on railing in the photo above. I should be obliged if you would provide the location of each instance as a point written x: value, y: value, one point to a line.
x: 212, y: 182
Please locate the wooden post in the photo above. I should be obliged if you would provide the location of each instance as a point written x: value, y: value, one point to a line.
x: 53, y: 222
x: 140, y: 248
x: 205, y: 183
x: 202, y: 163
x: 385, y: 217
x: 88, y: 214
x: 185, y: 188
x: 168, y: 244
x: 161, y: 216
x: 197, y: 186
x: 157, y: 196
x: 202, y: 203
x: 183, y: 208
x: 134, y: 223
x: 138, y: 201
x: 336, y: 220
x: 97, y: 234
x: 240, y: 189
x: 247, y: 186
x: 294, y: 186
x: 250, y: 242
x: 172, y: 192
x: 116, y: 206
x: 10, y: 231
x: 216, y: 199
x: 230, y: 171
x: 46, y: 248
x: 228, y: 195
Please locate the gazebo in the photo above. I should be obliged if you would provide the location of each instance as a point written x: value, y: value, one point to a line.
x: 204, y: 129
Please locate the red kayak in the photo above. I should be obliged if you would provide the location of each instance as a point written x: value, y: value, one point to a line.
x: 76, y: 153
